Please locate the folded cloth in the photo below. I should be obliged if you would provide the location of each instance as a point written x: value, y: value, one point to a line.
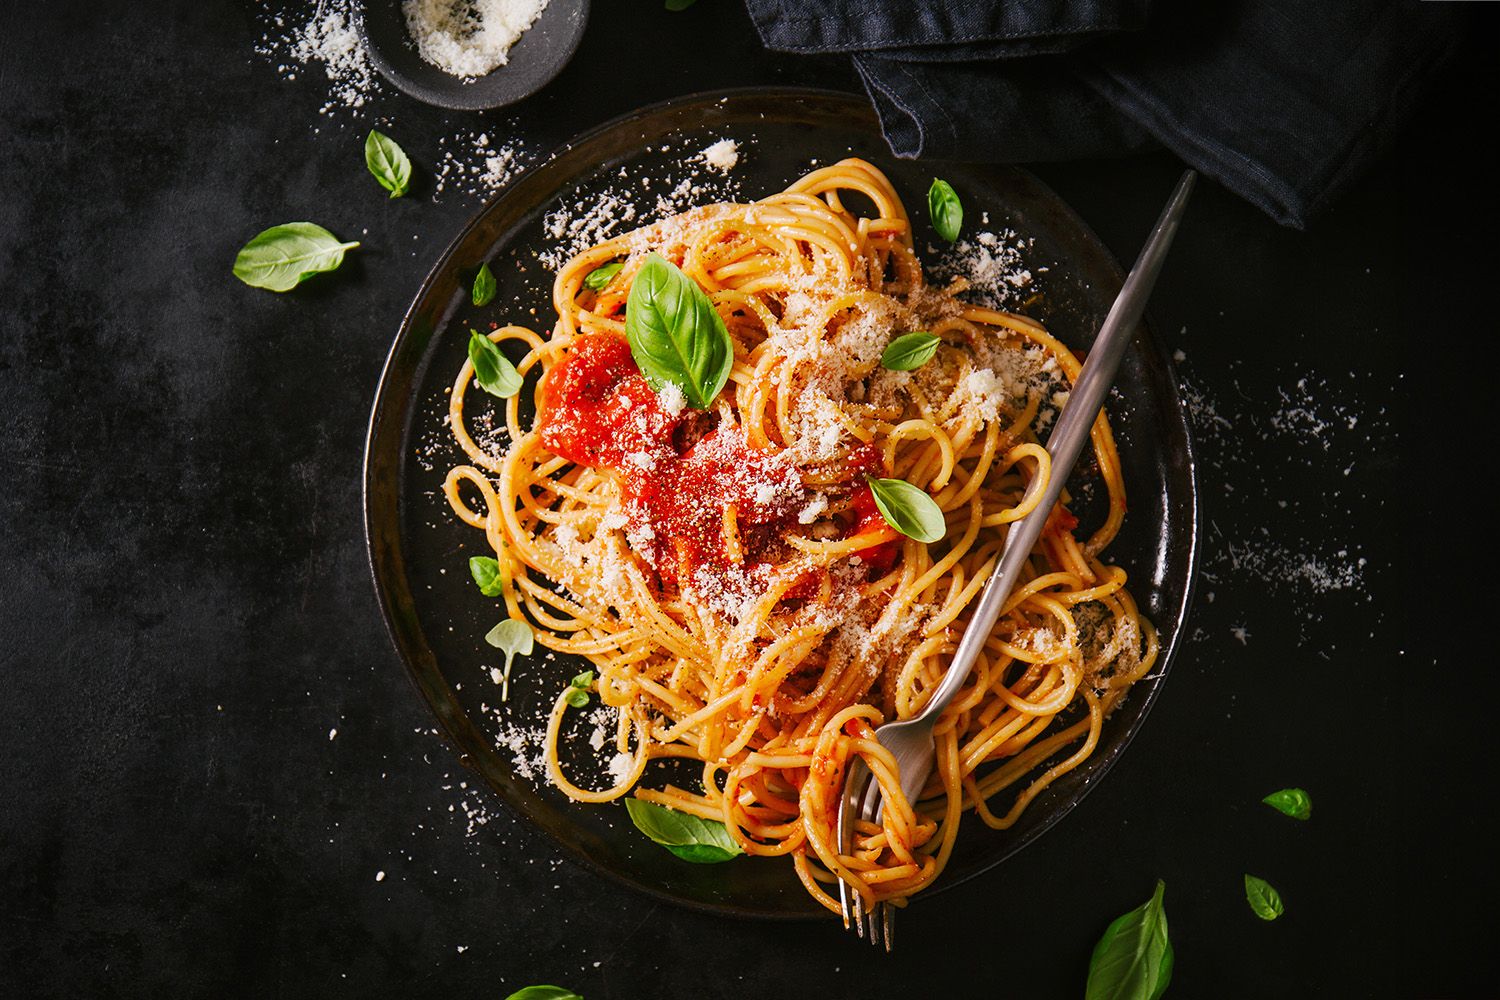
x: 1284, y: 102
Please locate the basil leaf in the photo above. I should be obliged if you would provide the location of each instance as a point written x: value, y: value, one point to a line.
x: 511, y: 636
x: 483, y: 292
x: 487, y: 575
x: 599, y: 278
x: 492, y: 370
x: 283, y: 257
x: 907, y: 509
x: 945, y: 210
x: 577, y: 694
x: 701, y: 841
x: 544, y: 993
x: 675, y: 333
x: 1133, y: 960
x: 701, y: 854
x: 676, y: 5
x: 1294, y: 802
x: 1264, y: 901
x: 909, y: 351
x: 388, y: 163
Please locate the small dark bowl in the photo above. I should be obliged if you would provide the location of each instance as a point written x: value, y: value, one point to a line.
x: 538, y: 56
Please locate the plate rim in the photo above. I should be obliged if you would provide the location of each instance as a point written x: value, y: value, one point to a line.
x: 445, y: 725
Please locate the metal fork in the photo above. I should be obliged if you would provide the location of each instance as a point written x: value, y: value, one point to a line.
x: 910, y: 740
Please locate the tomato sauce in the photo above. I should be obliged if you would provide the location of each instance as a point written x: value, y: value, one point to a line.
x: 596, y: 409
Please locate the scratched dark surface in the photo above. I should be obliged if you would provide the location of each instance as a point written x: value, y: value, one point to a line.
x: 217, y: 780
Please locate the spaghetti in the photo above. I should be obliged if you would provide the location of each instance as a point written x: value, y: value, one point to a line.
x: 727, y: 573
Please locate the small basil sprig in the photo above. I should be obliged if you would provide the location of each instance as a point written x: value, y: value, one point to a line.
x: 1294, y: 802
x: 388, y: 163
x: 511, y: 636
x: 577, y: 694
x: 1133, y: 960
x: 487, y: 576
x: 544, y: 993
x: 700, y: 841
x: 909, y: 351
x: 675, y: 333
x: 599, y: 278
x: 492, y: 370
x: 483, y: 292
x: 282, y: 257
x: 945, y: 210
x: 907, y: 509
x: 1264, y: 900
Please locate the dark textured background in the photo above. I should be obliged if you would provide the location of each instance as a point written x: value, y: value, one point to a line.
x: 185, y: 612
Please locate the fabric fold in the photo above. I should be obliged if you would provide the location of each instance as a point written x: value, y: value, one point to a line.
x: 1284, y: 102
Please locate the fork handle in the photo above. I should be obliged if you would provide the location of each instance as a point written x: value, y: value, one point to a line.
x: 1066, y: 441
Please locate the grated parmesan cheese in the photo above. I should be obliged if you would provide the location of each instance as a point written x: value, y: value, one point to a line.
x: 468, y: 38
x: 619, y: 766
x: 330, y: 39
x: 722, y: 155
x: 671, y: 398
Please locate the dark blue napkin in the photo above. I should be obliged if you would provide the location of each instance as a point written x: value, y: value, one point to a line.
x: 1283, y: 102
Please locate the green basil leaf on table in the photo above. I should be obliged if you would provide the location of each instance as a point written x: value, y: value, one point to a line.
x: 909, y: 351
x: 1133, y: 960
x: 282, y: 257
x: 1264, y: 900
x: 599, y: 278
x: 945, y: 210
x: 675, y: 333
x: 544, y: 993
x: 1293, y: 802
x: 388, y: 163
x: 483, y: 292
x: 511, y: 636
x: 691, y: 838
x: 487, y: 576
x: 492, y: 369
x: 907, y: 509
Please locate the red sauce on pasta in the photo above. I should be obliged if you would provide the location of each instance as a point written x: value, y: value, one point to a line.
x: 596, y: 409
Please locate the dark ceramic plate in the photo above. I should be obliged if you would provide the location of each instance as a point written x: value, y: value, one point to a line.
x: 419, y: 551
x: 535, y: 58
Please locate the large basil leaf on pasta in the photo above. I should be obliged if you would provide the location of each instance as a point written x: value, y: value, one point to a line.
x: 700, y: 841
x: 907, y: 509
x: 1133, y: 960
x: 675, y: 333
